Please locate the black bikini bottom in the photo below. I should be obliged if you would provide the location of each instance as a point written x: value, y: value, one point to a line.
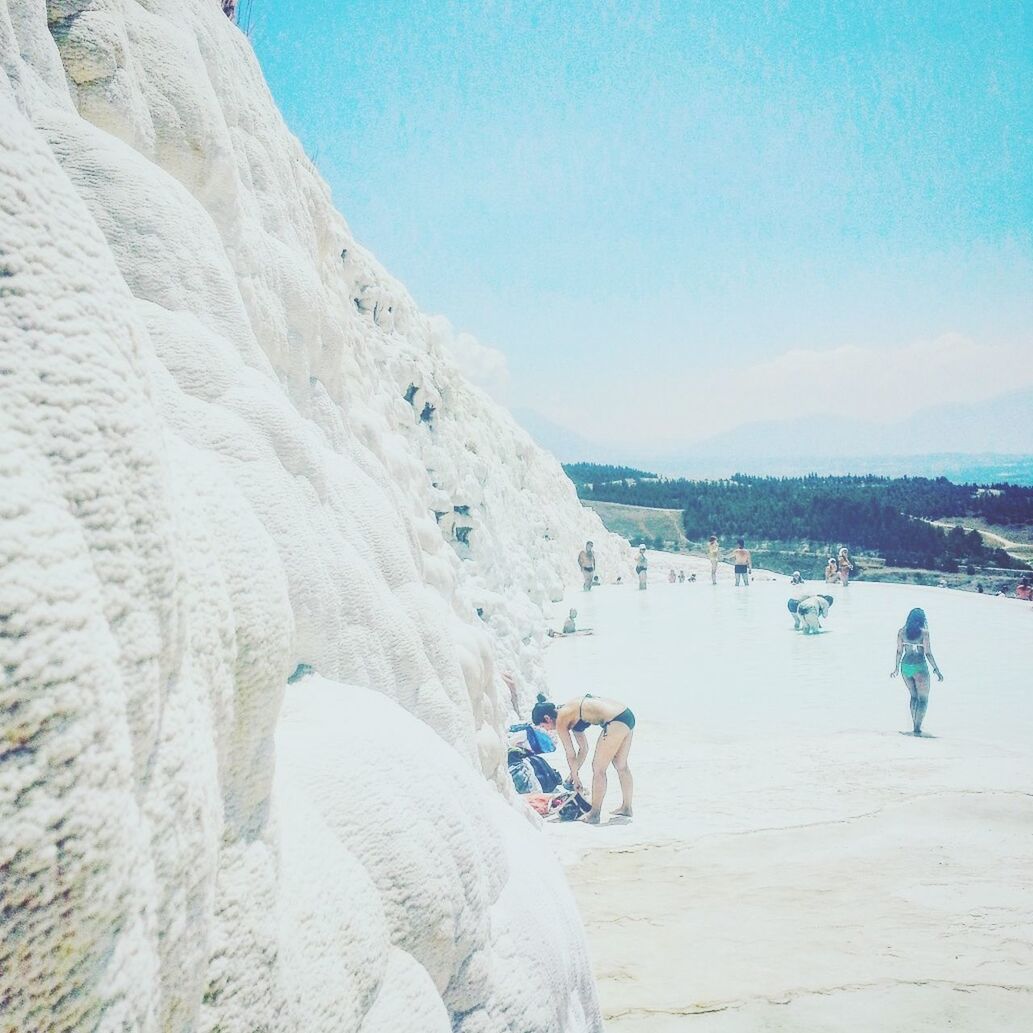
x: 626, y: 717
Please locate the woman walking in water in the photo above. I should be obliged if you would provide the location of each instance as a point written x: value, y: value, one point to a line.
x: 617, y: 724
x: 914, y: 654
x: 714, y: 555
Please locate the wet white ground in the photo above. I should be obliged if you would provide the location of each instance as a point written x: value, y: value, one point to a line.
x: 795, y: 863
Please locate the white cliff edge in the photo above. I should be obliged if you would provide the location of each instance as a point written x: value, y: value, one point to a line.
x: 231, y: 445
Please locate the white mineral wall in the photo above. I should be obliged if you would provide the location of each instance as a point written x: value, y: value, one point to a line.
x: 230, y: 444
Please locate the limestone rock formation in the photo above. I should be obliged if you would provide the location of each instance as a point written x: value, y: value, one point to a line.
x: 230, y: 444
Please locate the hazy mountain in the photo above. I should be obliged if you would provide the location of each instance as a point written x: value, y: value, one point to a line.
x: 1001, y: 426
x: 566, y: 445
x: 984, y: 441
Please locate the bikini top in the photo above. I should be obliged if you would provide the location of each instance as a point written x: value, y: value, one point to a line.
x: 581, y: 723
x: 913, y: 647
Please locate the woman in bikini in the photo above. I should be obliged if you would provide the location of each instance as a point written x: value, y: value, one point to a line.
x: 714, y: 555
x: 914, y: 654
x: 845, y: 566
x: 571, y: 720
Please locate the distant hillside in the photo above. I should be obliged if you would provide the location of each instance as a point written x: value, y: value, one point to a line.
x: 659, y: 528
x: 598, y: 473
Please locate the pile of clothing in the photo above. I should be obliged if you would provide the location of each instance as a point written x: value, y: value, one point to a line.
x: 537, y: 780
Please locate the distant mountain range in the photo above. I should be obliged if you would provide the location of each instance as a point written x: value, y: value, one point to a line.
x: 984, y: 441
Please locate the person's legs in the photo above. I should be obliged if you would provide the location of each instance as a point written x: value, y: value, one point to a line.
x: 738, y: 574
x: 811, y: 620
x: 606, y: 748
x: 620, y: 764
x: 713, y: 572
x: 642, y: 579
x: 913, y: 692
x: 588, y: 574
x: 920, y: 701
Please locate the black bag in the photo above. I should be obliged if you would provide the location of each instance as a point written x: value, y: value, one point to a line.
x: 549, y: 777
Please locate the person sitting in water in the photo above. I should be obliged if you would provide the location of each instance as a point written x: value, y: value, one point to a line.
x: 1023, y: 590
x: 831, y: 571
x: 743, y: 563
x: 570, y: 627
x: 809, y: 612
x: 796, y: 579
x: 914, y: 654
x: 617, y: 724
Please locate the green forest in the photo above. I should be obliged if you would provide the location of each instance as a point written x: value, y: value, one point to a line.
x: 600, y: 473
x: 887, y: 516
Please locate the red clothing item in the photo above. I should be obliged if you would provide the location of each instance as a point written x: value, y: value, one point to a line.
x: 539, y: 802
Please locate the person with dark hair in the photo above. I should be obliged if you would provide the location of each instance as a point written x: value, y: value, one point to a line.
x: 914, y: 654
x: 743, y: 564
x: 617, y: 724
x: 586, y: 561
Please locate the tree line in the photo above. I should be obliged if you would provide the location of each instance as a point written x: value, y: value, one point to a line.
x: 884, y: 515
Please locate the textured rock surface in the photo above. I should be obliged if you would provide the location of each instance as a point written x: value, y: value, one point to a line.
x: 229, y: 444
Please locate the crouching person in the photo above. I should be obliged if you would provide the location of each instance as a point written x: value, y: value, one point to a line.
x: 810, y: 611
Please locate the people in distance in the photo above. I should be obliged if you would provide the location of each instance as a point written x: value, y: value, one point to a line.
x: 743, y: 563
x: 845, y: 566
x: 714, y: 555
x: 641, y: 567
x: 586, y: 561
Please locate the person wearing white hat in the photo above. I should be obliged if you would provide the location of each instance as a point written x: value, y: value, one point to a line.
x: 641, y: 567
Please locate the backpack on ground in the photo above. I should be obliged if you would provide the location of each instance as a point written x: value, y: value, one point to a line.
x: 547, y: 775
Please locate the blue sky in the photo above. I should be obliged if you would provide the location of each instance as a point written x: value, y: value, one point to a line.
x: 686, y: 202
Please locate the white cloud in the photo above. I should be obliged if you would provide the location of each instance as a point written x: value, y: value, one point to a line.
x: 482, y: 364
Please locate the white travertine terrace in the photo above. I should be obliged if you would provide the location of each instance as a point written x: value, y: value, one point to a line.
x: 231, y: 444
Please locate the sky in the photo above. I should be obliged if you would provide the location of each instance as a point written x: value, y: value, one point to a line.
x: 650, y: 222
